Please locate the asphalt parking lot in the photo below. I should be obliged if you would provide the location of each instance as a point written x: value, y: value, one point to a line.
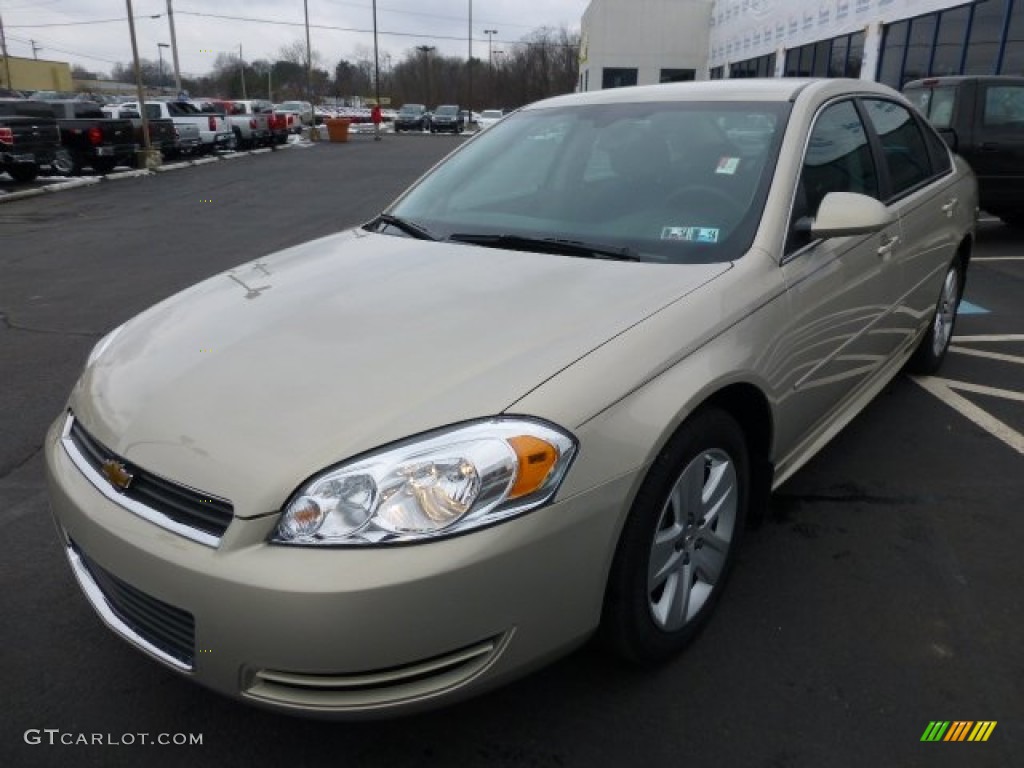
x: 885, y: 591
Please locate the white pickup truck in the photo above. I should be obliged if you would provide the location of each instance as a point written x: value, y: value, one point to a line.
x: 186, y: 132
x: 214, y: 131
x: 250, y: 120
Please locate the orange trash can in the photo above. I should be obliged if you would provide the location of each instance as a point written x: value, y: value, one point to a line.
x: 337, y: 128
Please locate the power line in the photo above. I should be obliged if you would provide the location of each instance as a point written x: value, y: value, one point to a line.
x: 335, y: 28
x: 80, y: 23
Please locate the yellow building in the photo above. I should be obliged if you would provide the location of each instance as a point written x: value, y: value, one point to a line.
x: 35, y: 74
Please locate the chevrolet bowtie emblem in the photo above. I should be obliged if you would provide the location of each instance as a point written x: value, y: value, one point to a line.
x: 117, y: 474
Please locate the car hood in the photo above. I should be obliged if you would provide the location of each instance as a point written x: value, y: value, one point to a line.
x: 247, y: 383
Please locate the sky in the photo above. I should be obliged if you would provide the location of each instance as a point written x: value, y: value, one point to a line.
x: 57, y: 26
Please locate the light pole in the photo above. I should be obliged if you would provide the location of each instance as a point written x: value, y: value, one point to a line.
x: 241, y: 68
x: 490, y: 39
x: 160, y: 52
x: 469, y: 64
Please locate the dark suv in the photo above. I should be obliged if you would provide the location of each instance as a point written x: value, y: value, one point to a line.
x: 448, y: 117
x: 412, y: 117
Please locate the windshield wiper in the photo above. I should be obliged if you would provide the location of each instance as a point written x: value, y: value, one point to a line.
x: 411, y: 229
x: 557, y: 245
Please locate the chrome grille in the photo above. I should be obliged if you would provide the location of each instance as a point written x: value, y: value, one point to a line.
x: 153, y: 624
x: 184, y: 510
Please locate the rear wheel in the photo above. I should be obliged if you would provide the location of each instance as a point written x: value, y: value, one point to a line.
x: 104, y: 165
x: 679, y: 541
x: 23, y: 172
x: 928, y: 356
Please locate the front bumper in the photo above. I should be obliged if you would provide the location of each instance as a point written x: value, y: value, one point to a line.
x: 344, y: 632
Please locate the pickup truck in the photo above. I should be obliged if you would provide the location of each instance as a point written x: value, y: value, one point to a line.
x: 186, y: 126
x: 92, y: 138
x: 250, y: 121
x: 29, y: 139
x: 981, y: 118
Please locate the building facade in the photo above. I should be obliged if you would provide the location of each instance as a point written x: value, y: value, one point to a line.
x: 34, y: 74
x: 892, y: 41
x: 642, y: 42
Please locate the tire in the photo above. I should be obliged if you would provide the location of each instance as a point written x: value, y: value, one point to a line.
x: 103, y: 165
x: 930, y: 353
x: 674, y: 555
x: 23, y: 172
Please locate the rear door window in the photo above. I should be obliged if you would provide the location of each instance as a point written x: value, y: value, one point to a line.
x: 904, y: 149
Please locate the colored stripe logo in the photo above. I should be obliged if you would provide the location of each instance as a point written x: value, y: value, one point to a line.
x: 958, y: 730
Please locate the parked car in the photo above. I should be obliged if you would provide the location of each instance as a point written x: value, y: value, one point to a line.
x: 447, y: 118
x: 250, y: 122
x: 30, y: 139
x: 280, y: 124
x: 91, y: 138
x: 982, y: 120
x: 215, y: 133
x: 302, y: 110
x: 539, y: 397
x: 187, y: 131
x: 163, y: 136
x: 412, y: 117
x: 489, y: 117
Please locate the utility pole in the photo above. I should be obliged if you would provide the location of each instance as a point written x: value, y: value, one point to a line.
x: 309, y: 58
x: 241, y: 68
x: 150, y: 159
x: 3, y: 46
x: 469, y: 65
x: 35, y: 50
x: 376, y: 59
x: 174, y: 48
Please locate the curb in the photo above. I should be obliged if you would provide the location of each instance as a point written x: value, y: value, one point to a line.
x: 137, y: 173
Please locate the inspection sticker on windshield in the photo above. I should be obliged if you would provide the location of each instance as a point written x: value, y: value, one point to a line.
x: 690, y: 234
x: 727, y: 165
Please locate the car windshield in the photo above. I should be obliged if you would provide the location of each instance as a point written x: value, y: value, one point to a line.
x: 667, y: 181
x: 447, y: 111
x: 411, y: 109
x: 491, y: 113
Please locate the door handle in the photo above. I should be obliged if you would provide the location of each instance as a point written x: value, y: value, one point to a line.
x: 950, y: 207
x: 888, y: 243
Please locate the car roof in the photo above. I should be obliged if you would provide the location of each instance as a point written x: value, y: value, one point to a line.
x: 740, y: 89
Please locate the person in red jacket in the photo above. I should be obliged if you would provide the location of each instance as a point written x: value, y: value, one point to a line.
x: 376, y: 117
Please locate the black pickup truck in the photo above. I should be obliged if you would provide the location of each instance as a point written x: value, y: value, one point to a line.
x: 92, y: 138
x: 29, y: 139
x: 982, y: 119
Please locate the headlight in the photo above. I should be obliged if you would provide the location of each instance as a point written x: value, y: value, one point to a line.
x: 447, y: 483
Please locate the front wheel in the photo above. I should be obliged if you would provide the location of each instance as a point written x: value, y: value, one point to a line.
x: 679, y: 541
x: 930, y: 353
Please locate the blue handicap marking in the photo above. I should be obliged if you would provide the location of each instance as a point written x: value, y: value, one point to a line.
x: 966, y: 308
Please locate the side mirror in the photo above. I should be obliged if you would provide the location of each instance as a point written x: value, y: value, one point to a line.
x: 847, y: 213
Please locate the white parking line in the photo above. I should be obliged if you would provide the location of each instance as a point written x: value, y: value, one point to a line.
x: 988, y: 355
x: 997, y: 258
x: 981, y: 389
x: 941, y: 389
x: 995, y: 337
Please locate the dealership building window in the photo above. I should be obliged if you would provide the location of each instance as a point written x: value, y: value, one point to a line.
x: 982, y: 38
x: 762, y: 66
x: 838, y: 57
x: 677, y: 75
x: 617, y: 77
